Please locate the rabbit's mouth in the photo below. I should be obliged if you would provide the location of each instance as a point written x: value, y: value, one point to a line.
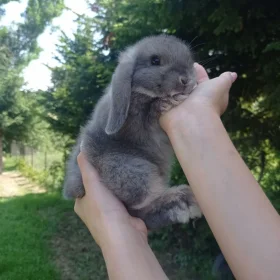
x: 187, y: 91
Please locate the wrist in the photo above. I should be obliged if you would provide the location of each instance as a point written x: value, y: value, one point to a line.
x: 117, y: 235
x: 128, y: 256
x: 121, y: 246
x: 196, y: 117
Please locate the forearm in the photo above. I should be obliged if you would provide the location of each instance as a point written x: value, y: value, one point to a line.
x: 241, y: 217
x: 128, y: 256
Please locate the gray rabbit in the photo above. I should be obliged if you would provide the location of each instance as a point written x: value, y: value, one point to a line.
x: 123, y: 140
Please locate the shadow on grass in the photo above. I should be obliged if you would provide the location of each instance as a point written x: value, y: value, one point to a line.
x: 77, y: 255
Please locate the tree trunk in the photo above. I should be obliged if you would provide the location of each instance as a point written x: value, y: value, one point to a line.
x: 22, y: 150
x: 32, y: 158
x: 46, y: 161
x: 1, y: 152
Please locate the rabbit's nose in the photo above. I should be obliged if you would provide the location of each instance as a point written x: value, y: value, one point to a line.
x: 183, y: 80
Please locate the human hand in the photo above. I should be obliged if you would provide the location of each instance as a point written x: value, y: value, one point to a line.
x: 105, y: 216
x: 209, y: 95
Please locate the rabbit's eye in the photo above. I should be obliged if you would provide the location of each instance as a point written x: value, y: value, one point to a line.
x: 155, y: 60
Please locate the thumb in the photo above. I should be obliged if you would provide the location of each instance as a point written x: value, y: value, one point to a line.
x: 89, y: 174
x: 201, y: 74
x: 93, y: 185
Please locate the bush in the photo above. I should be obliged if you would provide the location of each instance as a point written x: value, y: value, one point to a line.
x: 51, y: 179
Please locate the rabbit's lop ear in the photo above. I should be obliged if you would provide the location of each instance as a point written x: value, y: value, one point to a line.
x: 120, y: 93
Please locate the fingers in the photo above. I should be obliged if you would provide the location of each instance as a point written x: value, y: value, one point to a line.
x: 201, y: 74
x: 89, y: 174
x: 225, y: 80
x: 229, y: 76
x: 93, y: 186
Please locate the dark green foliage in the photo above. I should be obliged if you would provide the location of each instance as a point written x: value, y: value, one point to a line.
x: 190, y: 249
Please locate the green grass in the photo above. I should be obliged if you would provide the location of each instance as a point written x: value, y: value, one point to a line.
x: 10, y: 164
x: 42, y: 238
x: 24, y: 237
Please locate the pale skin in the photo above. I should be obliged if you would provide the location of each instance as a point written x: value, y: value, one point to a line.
x: 242, y: 219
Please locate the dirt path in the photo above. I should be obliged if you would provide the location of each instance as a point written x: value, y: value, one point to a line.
x: 14, y: 184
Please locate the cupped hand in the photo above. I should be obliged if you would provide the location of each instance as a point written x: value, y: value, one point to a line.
x: 101, y: 211
x: 209, y: 95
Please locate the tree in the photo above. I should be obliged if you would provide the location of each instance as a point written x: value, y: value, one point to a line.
x: 240, y: 37
x: 18, y: 44
x: 78, y: 82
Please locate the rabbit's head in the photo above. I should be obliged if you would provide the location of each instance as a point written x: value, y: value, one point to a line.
x: 157, y: 66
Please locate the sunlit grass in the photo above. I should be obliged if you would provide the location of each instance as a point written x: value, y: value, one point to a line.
x: 24, y: 237
x: 10, y: 163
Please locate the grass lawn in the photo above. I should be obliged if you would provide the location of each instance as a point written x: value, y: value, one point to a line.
x: 24, y: 235
x: 40, y: 235
x: 41, y: 238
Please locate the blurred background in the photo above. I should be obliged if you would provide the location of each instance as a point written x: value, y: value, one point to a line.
x: 56, y: 58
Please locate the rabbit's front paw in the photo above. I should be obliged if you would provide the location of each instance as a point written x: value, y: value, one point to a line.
x: 168, y: 103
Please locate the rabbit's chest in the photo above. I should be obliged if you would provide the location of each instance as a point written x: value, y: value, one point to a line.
x: 160, y: 142
x: 159, y: 145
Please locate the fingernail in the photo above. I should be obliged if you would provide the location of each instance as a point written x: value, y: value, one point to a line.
x: 233, y: 76
x: 196, y: 64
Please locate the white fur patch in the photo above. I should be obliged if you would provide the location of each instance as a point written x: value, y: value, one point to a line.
x: 195, y: 212
x: 145, y: 92
x: 181, y: 215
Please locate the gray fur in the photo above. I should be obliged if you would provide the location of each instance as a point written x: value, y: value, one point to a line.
x: 124, y: 141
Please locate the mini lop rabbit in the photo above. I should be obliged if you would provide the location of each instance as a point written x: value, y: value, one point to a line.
x: 124, y: 141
